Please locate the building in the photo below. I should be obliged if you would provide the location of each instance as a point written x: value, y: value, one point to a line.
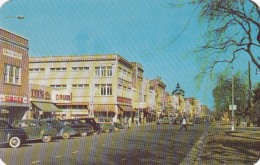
x: 87, y: 85
x: 179, y: 100
x: 14, y: 76
x: 160, y: 100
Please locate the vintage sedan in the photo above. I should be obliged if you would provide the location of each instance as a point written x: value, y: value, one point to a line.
x: 106, y: 124
x: 36, y: 129
x: 10, y: 135
x: 81, y: 128
x: 91, y: 121
x: 63, y: 131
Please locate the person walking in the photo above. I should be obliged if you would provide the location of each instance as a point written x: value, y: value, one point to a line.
x: 184, y: 124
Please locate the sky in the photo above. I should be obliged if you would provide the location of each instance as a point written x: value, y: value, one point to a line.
x: 152, y: 33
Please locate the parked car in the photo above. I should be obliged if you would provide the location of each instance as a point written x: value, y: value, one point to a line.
x: 118, y: 125
x: 80, y: 128
x: 10, y: 135
x: 63, y: 131
x: 106, y: 124
x: 91, y: 121
x: 164, y: 120
x: 37, y: 129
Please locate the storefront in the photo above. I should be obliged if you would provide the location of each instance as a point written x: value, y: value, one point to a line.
x: 13, y: 107
x: 41, y: 105
x: 14, y: 76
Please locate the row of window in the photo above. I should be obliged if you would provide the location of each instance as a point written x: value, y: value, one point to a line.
x: 99, y: 89
x: 104, y: 71
x: 124, y: 75
x: 12, y: 74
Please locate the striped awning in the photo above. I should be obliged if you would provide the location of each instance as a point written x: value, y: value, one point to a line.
x: 126, y: 108
x: 104, y: 108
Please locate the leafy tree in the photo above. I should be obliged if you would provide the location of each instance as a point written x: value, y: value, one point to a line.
x: 255, y: 113
x: 233, y: 30
x: 222, y: 94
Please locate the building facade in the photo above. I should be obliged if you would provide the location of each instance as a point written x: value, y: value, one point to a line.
x: 89, y: 85
x: 14, y: 76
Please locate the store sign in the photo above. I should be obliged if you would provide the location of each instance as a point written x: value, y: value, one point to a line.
x: 13, y: 99
x: 61, y: 97
x: 124, y: 100
x: 40, y: 94
x: 12, y: 54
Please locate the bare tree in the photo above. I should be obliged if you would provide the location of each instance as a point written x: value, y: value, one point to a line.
x: 233, y: 30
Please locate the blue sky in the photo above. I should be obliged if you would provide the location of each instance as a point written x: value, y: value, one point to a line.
x: 138, y: 30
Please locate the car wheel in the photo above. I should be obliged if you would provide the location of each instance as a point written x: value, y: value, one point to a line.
x: 96, y: 132
x: 15, y: 142
x: 83, y: 134
x: 65, y: 135
x: 46, y: 138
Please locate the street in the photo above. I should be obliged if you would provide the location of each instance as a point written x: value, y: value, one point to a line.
x: 149, y: 144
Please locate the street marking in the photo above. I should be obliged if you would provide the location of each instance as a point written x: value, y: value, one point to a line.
x: 57, y: 156
x: 102, y: 145
x: 91, y: 147
x: 37, y: 161
x: 113, y: 142
x: 74, y: 152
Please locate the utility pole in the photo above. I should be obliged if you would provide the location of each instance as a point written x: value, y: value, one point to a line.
x: 233, y: 114
x: 249, y: 95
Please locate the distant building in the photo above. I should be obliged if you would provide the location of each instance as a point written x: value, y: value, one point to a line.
x: 14, y: 64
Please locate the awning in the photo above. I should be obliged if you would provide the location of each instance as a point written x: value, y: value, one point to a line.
x: 104, y: 108
x: 126, y: 108
x: 47, y: 107
x: 73, y: 103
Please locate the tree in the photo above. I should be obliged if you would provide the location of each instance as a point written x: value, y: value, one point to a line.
x: 255, y: 113
x: 233, y: 30
x: 222, y: 94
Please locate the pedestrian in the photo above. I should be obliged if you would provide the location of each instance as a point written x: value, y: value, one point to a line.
x: 184, y: 124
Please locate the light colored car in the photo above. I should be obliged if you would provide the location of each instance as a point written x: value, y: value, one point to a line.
x: 106, y: 124
x: 37, y: 129
x: 164, y: 120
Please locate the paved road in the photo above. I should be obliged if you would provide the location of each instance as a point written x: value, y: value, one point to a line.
x: 151, y: 144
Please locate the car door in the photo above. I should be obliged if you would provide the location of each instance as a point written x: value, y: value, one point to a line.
x: 34, y: 129
x: 3, y: 132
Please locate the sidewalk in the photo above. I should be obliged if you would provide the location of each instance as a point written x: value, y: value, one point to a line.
x: 223, y: 146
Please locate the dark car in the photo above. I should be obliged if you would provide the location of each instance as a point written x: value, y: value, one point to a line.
x: 10, y: 135
x: 81, y: 128
x: 93, y: 123
x: 63, y: 131
x: 36, y: 129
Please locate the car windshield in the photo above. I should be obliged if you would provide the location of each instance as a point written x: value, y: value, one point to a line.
x: 42, y: 123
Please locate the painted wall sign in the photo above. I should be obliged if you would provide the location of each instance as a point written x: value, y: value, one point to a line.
x: 40, y: 94
x: 61, y: 96
x: 12, y: 54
